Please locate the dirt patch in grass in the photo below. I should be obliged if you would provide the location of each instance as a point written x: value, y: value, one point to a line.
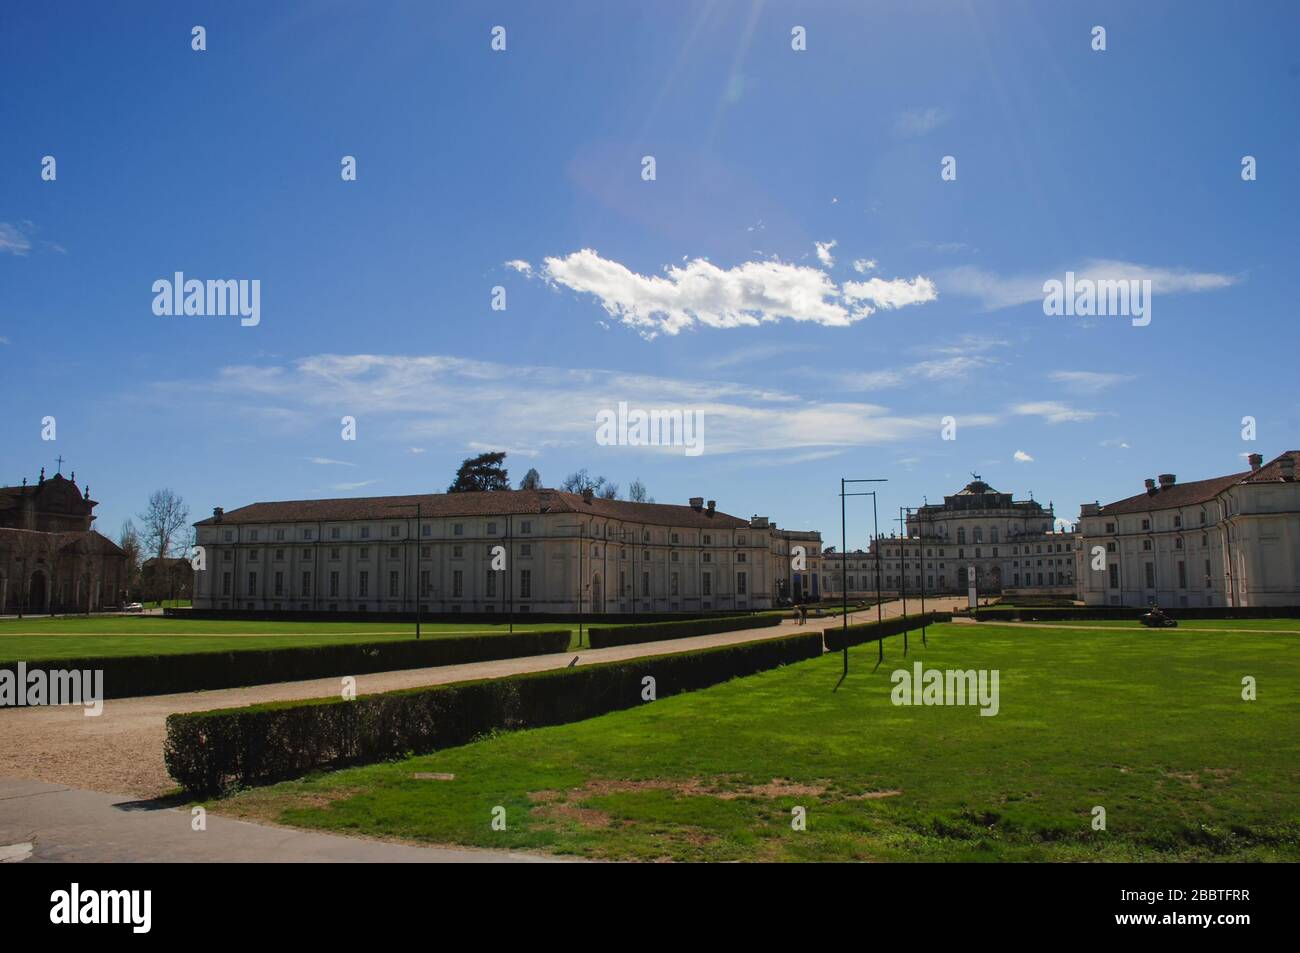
x: 873, y: 795
x: 587, y: 817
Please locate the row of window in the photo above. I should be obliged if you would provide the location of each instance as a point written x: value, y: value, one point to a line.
x: 457, y: 584
x: 426, y: 530
x: 1149, y: 574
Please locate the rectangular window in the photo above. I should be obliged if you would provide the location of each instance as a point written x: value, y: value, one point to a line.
x: 393, y: 585
x: 425, y: 587
x: 491, y: 589
x: 492, y: 529
x: 252, y: 556
x: 525, y: 550
x: 1151, y: 575
x: 458, y: 529
x: 1182, y: 574
x: 252, y: 583
x: 279, y: 555
x: 457, y: 584
x: 526, y: 526
x: 306, y: 554
x: 306, y: 584
x: 707, y: 584
x: 740, y: 584
x: 740, y: 557
x: 426, y: 552
x: 645, y: 584
x: 363, y: 552
x: 335, y: 553
x: 525, y: 584
x: 394, y: 531
x: 393, y: 552
x: 334, y: 583
x: 457, y: 552
x: 225, y: 583
x: 363, y: 584
x: 426, y: 530
x: 279, y: 583
x: 673, y: 584
x: 334, y: 532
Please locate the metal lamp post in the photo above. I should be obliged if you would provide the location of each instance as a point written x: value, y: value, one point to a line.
x: 844, y: 562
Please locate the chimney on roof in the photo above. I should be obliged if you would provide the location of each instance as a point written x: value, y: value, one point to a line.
x: 1287, y: 465
x: 697, y: 502
x: 544, y: 500
x: 759, y: 522
x: 1089, y: 509
x: 1167, y: 480
x: 1256, y: 460
x: 1151, y: 486
x: 586, y: 494
x: 712, y: 504
x: 218, y: 514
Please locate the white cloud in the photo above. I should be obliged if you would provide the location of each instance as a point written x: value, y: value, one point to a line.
x: 352, y: 486
x: 521, y: 266
x: 996, y: 291
x: 747, y: 295
x: 895, y: 293
x: 824, y: 252
x: 1021, y: 457
x: 327, y: 461
x: 950, y: 369
x: 1087, y: 382
x: 1054, y: 412
x: 1117, y: 444
x: 456, y: 401
x: 864, y: 265
x: 13, y: 241
x: 918, y: 122
x: 418, y: 450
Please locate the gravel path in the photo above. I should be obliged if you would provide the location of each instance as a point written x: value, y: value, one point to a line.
x: 121, y: 750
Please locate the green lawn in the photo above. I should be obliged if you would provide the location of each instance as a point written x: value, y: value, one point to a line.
x: 1151, y: 728
x: 73, y: 637
x: 1255, y: 625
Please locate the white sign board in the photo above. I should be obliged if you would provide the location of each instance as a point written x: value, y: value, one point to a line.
x: 972, y: 598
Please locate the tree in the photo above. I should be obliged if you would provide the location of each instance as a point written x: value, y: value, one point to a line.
x: 482, y: 473
x: 636, y: 492
x: 129, y: 540
x: 164, y: 519
x: 532, y: 480
x: 608, y: 492
x: 580, y: 481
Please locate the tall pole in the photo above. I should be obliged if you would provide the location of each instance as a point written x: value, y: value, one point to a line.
x: 844, y: 585
x: 417, y: 570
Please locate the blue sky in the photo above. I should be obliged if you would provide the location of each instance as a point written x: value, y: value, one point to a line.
x: 702, y: 289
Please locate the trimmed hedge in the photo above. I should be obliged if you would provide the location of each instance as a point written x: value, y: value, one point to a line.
x: 462, y: 618
x: 211, y: 751
x: 840, y: 636
x: 636, y: 634
x: 128, y: 676
x: 1048, y: 614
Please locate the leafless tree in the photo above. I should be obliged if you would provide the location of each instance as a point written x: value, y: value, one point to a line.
x: 164, y: 520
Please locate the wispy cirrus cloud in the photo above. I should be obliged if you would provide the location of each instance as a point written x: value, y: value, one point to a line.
x: 328, y: 462
x: 995, y: 291
x: 13, y: 241
x: 1054, y: 412
x: 745, y: 295
x: 461, y: 402
x: 1088, y: 382
x: 952, y: 369
x: 345, y: 487
x: 918, y: 122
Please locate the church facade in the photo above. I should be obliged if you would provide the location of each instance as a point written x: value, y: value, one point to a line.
x: 50, y: 558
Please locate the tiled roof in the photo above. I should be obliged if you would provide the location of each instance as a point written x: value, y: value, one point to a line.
x: 495, y: 503
x: 1271, y: 472
x: 1180, y: 494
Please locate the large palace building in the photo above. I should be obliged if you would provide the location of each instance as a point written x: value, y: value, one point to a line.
x: 50, y: 558
x: 1228, y: 541
x: 1011, y: 546
x: 527, y: 550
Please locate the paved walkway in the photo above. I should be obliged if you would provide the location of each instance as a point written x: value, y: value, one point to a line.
x: 122, y: 749
x: 53, y: 823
